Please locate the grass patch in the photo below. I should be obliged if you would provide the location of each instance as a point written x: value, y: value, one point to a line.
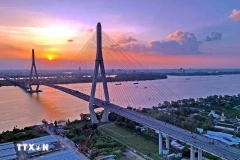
x: 133, y: 140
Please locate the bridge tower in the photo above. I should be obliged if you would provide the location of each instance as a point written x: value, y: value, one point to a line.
x: 99, y: 63
x: 33, y: 69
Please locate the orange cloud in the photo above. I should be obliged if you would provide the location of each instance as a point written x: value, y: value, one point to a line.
x: 11, y: 51
x: 235, y: 15
x: 177, y: 43
x: 181, y: 36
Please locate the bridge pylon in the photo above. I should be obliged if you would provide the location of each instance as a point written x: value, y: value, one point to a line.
x: 36, y: 81
x: 99, y: 63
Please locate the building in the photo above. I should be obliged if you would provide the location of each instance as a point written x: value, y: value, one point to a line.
x: 176, y: 145
x: 224, y: 128
x: 193, y: 114
x: 237, y: 107
x: 171, y: 156
x: 109, y: 157
x: 64, y: 155
x: 7, y: 151
x: 223, y: 137
x: 162, y: 109
x: 174, y: 156
x: 200, y: 130
x: 213, y: 114
x: 238, y: 128
x: 50, y: 140
x: 225, y: 125
x: 141, y: 128
x: 222, y: 117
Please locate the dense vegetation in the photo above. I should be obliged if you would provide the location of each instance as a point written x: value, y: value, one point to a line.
x: 179, y: 112
x: 80, y: 130
x: 21, y: 134
x: 222, y: 104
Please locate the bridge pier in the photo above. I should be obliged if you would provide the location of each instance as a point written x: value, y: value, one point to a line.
x: 105, y: 115
x: 92, y: 113
x: 160, y: 143
x: 192, y: 153
x: 167, y: 142
x: 200, y: 154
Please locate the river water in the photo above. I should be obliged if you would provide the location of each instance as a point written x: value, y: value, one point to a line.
x: 21, y: 109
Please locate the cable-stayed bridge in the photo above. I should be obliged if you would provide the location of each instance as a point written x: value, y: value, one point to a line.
x: 197, y: 142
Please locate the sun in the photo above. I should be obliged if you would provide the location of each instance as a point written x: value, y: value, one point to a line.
x: 50, y: 57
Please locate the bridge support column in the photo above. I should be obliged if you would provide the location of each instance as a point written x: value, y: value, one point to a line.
x: 167, y: 142
x: 192, y: 153
x: 160, y: 143
x: 199, y: 154
x: 105, y: 115
x: 33, y: 69
x: 99, y: 63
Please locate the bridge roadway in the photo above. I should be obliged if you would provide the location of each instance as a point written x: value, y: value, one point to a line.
x: 19, y: 84
x: 198, y: 141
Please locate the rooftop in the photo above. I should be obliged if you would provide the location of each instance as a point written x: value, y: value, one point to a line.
x: 65, y: 155
x: 11, y: 157
x: 41, y: 140
x: 223, y: 137
x: 7, y: 151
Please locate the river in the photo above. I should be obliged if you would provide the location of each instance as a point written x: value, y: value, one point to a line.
x: 21, y: 109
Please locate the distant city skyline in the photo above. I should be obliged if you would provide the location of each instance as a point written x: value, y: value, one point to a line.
x: 157, y: 33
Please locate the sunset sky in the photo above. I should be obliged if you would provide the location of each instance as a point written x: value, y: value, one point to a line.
x: 156, y: 33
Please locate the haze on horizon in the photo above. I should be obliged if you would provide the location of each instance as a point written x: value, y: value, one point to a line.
x: 158, y: 33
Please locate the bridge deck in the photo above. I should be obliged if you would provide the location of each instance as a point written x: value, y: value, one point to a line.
x: 219, y: 149
x: 22, y: 85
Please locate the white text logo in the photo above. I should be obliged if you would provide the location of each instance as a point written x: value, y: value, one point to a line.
x: 32, y: 147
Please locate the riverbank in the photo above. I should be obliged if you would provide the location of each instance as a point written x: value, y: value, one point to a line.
x: 73, y: 79
x: 204, y: 74
x: 5, y: 83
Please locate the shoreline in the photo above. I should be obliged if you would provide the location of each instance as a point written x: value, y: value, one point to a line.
x: 74, y: 80
x: 6, y: 83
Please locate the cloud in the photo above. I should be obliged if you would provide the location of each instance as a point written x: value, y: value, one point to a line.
x: 70, y: 40
x: 130, y: 47
x: 9, y: 50
x: 125, y: 40
x: 182, y: 36
x: 90, y: 30
x: 9, y: 47
x: 86, y: 29
x: 114, y: 45
x: 235, y: 15
x: 214, y: 36
x: 177, y: 43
